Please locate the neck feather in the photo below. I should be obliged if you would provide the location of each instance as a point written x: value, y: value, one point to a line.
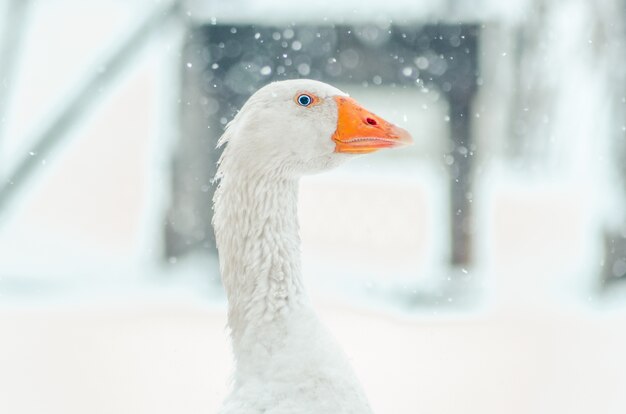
x: 256, y: 228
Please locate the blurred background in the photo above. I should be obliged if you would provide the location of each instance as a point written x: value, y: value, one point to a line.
x: 499, y: 279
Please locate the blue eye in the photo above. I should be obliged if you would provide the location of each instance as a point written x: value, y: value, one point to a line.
x: 304, y: 100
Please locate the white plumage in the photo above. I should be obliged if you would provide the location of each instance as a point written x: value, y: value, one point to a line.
x: 285, y: 360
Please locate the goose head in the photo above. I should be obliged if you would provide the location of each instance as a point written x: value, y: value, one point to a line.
x: 302, y: 126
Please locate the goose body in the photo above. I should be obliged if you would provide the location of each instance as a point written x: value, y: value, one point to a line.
x: 286, y: 362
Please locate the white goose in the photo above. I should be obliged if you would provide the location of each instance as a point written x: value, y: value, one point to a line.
x: 286, y: 361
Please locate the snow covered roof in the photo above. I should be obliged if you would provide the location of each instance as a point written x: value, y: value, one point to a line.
x: 352, y: 11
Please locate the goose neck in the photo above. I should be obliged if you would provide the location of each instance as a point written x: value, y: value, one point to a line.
x: 257, y: 236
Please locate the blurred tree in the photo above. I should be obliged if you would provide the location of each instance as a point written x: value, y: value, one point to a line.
x: 569, y: 119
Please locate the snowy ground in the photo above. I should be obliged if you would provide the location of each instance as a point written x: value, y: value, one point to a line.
x: 172, y: 356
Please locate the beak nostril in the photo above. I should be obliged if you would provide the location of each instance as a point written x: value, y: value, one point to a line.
x: 371, y: 121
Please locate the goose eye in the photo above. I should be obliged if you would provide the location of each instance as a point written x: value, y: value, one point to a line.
x: 304, y: 100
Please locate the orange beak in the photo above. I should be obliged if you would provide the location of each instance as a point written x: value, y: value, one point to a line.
x: 360, y: 131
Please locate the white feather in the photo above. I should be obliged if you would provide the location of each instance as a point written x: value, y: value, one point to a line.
x: 286, y: 362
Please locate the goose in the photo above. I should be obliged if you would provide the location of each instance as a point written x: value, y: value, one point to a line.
x: 286, y: 362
